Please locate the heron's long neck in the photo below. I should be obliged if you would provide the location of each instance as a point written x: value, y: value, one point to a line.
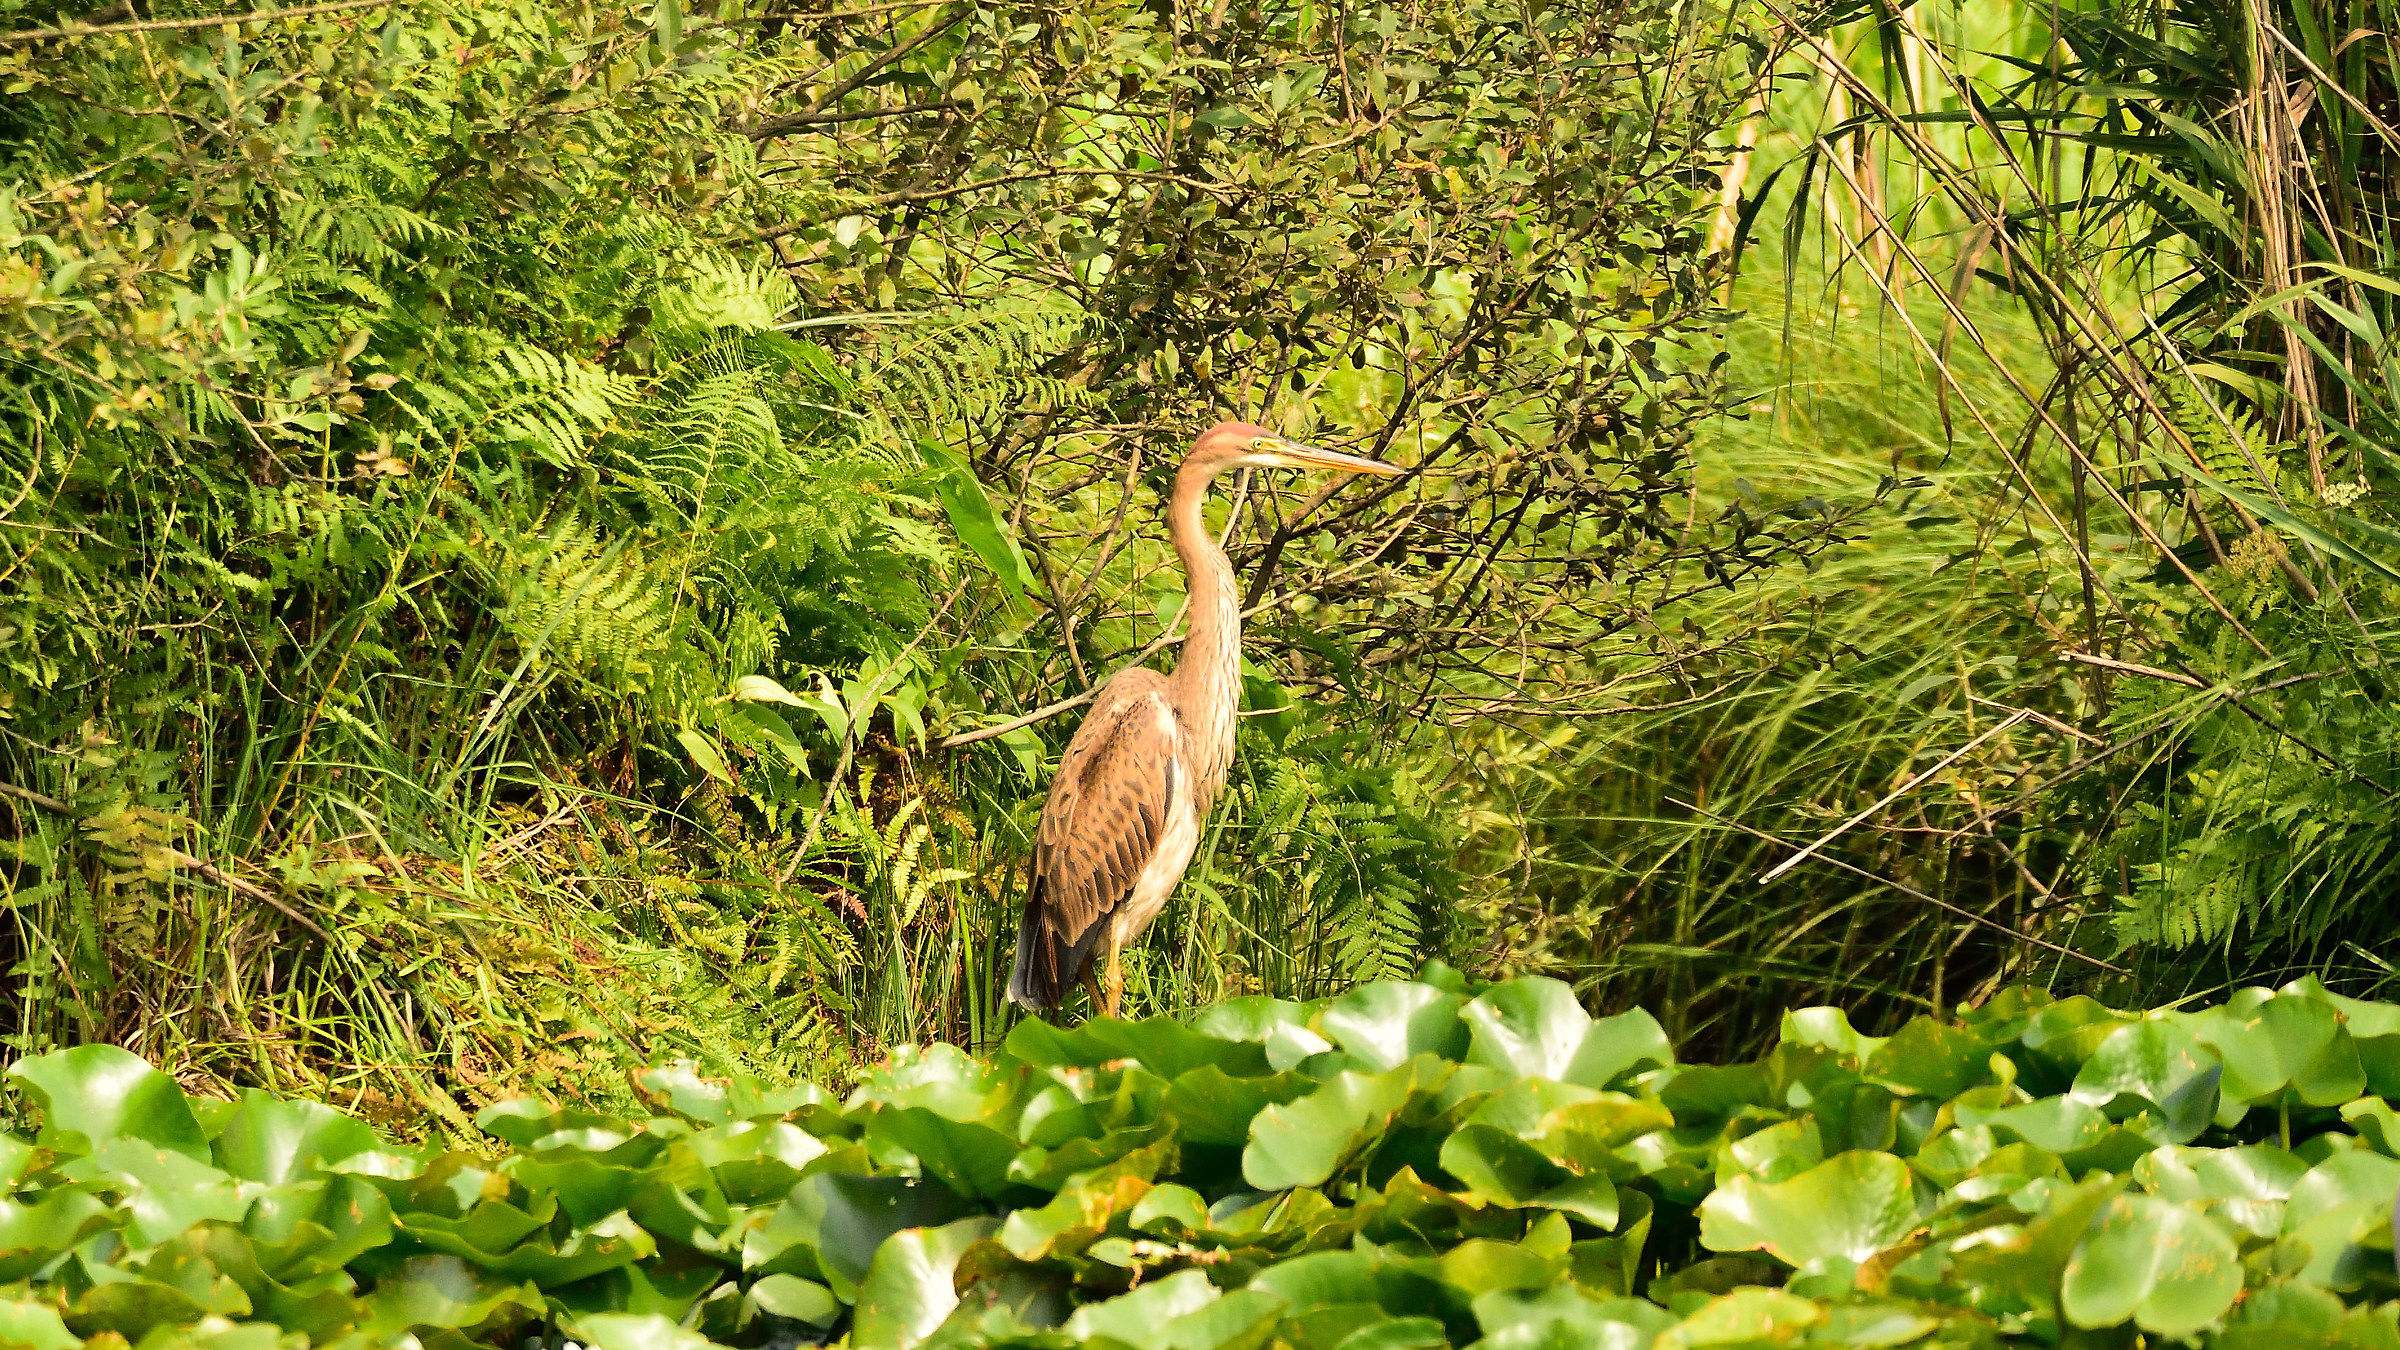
x: 1208, y: 676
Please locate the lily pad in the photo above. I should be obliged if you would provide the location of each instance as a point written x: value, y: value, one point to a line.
x: 2165, y: 1268
x: 1849, y: 1208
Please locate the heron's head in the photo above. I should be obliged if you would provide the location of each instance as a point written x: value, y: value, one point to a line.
x: 1240, y: 445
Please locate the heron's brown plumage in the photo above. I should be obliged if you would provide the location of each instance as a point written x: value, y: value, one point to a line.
x: 1103, y: 818
x: 1139, y: 775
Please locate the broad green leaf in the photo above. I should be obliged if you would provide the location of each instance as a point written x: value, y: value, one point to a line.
x: 1614, y: 1047
x: 971, y: 1159
x: 166, y: 1191
x: 1242, y: 1320
x: 1744, y: 1317
x: 975, y: 521
x: 831, y: 1224
x: 704, y: 753
x: 1849, y: 1207
x: 1383, y: 1025
x: 1529, y: 1027
x: 1932, y: 1057
x: 635, y: 1331
x: 796, y: 1298
x: 34, y: 1326
x: 2159, y: 1063
x: 1307, y: 1141
x: 2291, y: 1041
x: 444, y: 1291
x: 1135, y: 1318
x: 908, y: 1290
x: 1163, y: 1046
x: 103, y: 1093
x: 2167, y: 1269
x: 1829, y: 1028
x: 275, y: 1141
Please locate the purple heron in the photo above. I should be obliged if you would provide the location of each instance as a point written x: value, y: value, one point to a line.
x: 1125, y: 811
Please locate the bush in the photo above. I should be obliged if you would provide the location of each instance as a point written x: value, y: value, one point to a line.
x: 1411, y: 1164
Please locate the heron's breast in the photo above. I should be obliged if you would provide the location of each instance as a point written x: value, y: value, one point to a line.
x: 1160, y: 874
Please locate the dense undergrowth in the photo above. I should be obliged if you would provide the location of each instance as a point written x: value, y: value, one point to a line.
x: 513, y: 512
x: 1417, y: 1164
x: 527, y: 534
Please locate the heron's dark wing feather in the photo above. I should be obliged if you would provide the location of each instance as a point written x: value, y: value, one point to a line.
x: 1100, y: 825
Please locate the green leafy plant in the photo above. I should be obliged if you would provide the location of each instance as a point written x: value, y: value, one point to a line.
x: 1419, y: 1163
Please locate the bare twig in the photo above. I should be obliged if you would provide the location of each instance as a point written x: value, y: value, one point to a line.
x: 2134, y: 668
x: 1912, y: 892
x: 209, y: 21
x: 1888, y: 798
x: 183, y: 860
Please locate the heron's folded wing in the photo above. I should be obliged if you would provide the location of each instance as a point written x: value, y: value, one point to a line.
x: 1108, y: 807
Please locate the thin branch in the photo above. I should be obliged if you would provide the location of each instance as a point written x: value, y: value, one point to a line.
x: 1912, y: 892
x: 184, y: 860
x: 1888, y: 798
x: 2135, y: 668
x: 211, y: 21
x: 776, y: 126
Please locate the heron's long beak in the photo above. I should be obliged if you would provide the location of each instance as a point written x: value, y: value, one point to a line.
x: 1298, y: 456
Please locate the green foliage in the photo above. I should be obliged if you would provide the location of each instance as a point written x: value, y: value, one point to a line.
x: 1421, y: 1163
x: 504, y: 506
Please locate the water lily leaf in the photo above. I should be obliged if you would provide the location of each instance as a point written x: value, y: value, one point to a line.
x: 166, y: 1191
x: 1744, y: 1317
x: 970, y: 1158
x: 2246, y: 1185
x: 1072, y: 1220
x: 1480, y: 1265
x: 1322, y: 1279
x: 635, y: 1331
x: 1306, y: 1142
x: 34, y: 1326
x: 33, y: 1233
x: 2343, y: 1203
x: 1162, y: 1045
x: 2167, y: 1269
x: 832, y: 1223
x: 1932, y: 1057
x: 265, y: 1139
x: 1829, y: 1028
x: 1615, y: 1047
x: 1212, y: 1107
x: 907, y: 1291
x: 1872, y: 1327
x: 2056, y: 1124
x: 1383, y: 1025
x: 444, y: 1291
x: 102, y: 1093
x: 679, y: 1090
x: 132, y: 1308
x: 1774, y: 1154
x: 1135, y: 1318
x: 1530, y: 1027
x: 2351, y: 1177
x: 2290, y: 1041
x: 939, y: 1078
x: 2160, y: 1064
x: 1397, y: 1333
x: 1252, y: 1017
x: 1851, y: 1207
x: 796, y: 1298
x: 2060, y: 1037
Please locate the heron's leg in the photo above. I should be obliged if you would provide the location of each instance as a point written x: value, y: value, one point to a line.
x: 1091, y: 987
x: 1116, y: 977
